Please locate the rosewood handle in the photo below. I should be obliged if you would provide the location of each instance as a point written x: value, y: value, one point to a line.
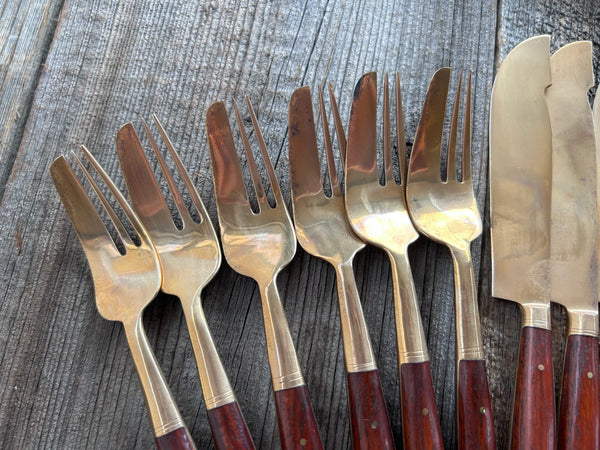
x: 368, y: 414
x: 229, y: 430
x: 579, y: 419
x: 178, y: 439
x: 534, y: 421
x: 475, y: 423
x: 420, y: 422
x: 297, y: 424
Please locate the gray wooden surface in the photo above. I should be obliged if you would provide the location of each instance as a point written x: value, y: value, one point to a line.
x: 73, y: 72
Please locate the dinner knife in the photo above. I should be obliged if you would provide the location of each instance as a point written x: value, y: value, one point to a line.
x: 520, y: 190
x: 573, y: 250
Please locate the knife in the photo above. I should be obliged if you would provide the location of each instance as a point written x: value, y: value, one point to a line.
x: 520, y: 190
x: 573, y: 237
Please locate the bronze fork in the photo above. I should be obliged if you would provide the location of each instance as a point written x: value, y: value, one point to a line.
x: 189, y: 258
x: 446, y: 212
x: 124, y: 285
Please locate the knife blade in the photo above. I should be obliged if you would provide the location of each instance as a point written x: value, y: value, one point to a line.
x: 573, y: 250
x: 520, y: 190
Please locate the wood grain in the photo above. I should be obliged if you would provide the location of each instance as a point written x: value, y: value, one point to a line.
x: 368, y: 413
x: 534, y: 410
x: 420, y: 422
x: 75, y: 71
x: 229, y: 428
x: 179, y: 439
x: 297, y: 425
x: 579, y: 417
x: 475, y: 421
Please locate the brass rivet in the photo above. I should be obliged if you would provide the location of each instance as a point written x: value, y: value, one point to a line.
x: 303, y: 442
x: 482, y: 410
x: 425, y: 411
x: 541, y: 367
x: 590, y: 375
x: 374, y: 425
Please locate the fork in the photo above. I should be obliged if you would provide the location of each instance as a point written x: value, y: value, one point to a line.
x: 446, y: 212
x: 124, y: 285
x: 189, y: 258
x: 323, y: 231
x: 379, y: 216
x: 259, y: 245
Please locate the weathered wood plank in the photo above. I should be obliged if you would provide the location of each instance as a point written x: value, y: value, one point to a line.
x: 26, y: 30
x: 68, y: 380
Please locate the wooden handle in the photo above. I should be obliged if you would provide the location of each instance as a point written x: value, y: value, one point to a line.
x: 475, y: 423
x: 368, y: 414
x: 579, y: 419
x: 420, y: 422
x: 297, y: 424
x: 534, y: 422
x: 178, y: 439
x: 229, y: 428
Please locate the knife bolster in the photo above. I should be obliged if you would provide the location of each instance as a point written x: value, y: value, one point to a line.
x: 536, y: 316
x: 583, y: 323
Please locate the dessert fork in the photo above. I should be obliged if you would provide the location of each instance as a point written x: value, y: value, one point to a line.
x: 259, y: 245
x: 189, y: 258
x: 378, y: 215
x: 323, y: 231
x: 446, y: 212
x: 124, y: 285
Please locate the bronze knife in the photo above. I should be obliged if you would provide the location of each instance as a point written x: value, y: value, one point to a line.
x: 520, y: 189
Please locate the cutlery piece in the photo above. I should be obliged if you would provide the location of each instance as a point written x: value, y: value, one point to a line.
x: 189, y: 258
x: 378, y: 215
x: 520, y: 184
x: 259, y: 245
x: 323, y: 231
x: 446, y: 212
x: 573, y: 241
x: 124, y: 285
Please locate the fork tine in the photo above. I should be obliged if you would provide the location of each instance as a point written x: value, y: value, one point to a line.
x: 387, y: 146
x: 339, y: 127
x: 451, y: 172
x: 79, y: 207
x: 426, y: 152
x: 265, y: 156
x: 227, y: 172
x: 183, y: 173
x: 144, y: 192
x: 362, y: 131
x: 466, y: 156
x: 105, y: 204
x: 256, y: 181
x: 333, y: 177
x: 305, y: 168
x: 400, y: 136
x: 177, y: 197
x: 131, y: 216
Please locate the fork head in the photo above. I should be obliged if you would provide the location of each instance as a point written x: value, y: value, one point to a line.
x: 320, y: 220
x: 124, y: 283
x: 260, y: 244
x: 189, y: 256
x: 445, y: 211
x: 377, y: 212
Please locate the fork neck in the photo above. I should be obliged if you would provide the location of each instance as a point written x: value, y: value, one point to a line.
x: 163, y: 412
x: 283, y: 361
x: 468, y: 333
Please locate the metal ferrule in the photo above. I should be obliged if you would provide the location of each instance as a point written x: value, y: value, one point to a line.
x: 585, y: 324
x: 536, y: 315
